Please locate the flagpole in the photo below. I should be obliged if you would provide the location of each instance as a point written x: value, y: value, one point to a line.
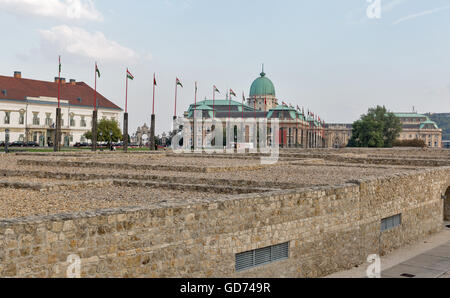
x: 176, y: 89
x: 243, y: 99
x: 229, y: 107
x: 214, y: 101
x: 56, y: 145
x: 153, y: 107
x: 126, y: 92
x: 95, y: 88
x: 59, y: 82
x: 153, y: 118
x: 95, y: 114
x: 194, y: 139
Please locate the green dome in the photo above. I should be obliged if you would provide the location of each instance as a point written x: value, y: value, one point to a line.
x: 262, y: 86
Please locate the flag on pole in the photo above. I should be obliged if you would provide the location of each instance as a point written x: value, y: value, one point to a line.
x: 154, y: 80
x: 196, y: 89
x: 215, y: 89
x: 97, y: 70
x: 59, y: 63
x: 179, y: 83
x: 243, y: 97
x: 232, y: 93
x: 129, y: 75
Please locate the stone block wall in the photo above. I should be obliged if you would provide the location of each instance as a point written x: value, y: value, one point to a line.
x: 329, y: 229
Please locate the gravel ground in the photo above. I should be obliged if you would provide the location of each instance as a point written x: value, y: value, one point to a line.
x: 151, y: 160
x: 22, y: 203
x: 296, y: 174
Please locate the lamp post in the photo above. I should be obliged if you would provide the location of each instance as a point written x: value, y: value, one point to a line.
x: 6, y: 140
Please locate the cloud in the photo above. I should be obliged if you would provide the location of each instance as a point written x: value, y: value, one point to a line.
x: 58, y: 9
x: 420, y: 14
x: 79, y: 42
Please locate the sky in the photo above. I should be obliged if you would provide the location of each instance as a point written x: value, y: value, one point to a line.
x: 335, y: 58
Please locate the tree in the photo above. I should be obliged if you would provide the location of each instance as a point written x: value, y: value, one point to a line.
x: 105, y: 127
x: 378, y: 128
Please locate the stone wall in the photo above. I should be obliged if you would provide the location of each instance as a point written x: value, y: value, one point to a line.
x: 329, y: 229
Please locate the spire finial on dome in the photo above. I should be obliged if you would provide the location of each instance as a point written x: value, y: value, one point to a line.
x: 263, y: 74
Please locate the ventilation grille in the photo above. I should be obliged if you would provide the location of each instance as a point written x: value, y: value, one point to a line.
x: 262, y: 256
x: 391, y: 222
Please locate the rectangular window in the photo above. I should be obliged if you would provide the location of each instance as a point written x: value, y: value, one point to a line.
x: 251, y: 259
x: 7, y: 117
x: 391, y: 222
x: 36, y: 120
x: 48, y: 119
x: 21, y: 119
x: 72, y: 121
x: 83, y: 122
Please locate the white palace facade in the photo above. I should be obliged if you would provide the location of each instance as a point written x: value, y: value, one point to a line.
x: 28, y: 110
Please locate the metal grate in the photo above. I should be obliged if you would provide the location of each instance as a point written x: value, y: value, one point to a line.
x: 262, y: 256
x: 391, y: 222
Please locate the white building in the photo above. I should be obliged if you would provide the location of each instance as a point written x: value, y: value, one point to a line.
x: 28, y: 109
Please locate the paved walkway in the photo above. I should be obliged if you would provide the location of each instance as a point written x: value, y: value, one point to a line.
x: 428, y: 259
x: 434, y: 263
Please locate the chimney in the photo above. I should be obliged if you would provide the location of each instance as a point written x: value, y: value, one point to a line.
x: 63, y: 80
x: 56, y: 80
x: 17, y: 75
x: 73, y: 82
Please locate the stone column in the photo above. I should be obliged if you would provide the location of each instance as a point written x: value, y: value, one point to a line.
x: 152, y: 132
x: 125, y: 132
x: 94, y: 130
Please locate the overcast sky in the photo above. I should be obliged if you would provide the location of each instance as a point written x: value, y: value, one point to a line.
x: 325, y: 55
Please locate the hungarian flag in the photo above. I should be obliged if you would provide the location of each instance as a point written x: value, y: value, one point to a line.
x: 196, y: 87
x: 215, y: 89
x: 129, y: 75
x: 179, y: 83
x: 154, y: 80
x: 232, y: 93
x: 243, y: 97
x: 97, y: 70
x: 284, y: 104
x: 60, y: 64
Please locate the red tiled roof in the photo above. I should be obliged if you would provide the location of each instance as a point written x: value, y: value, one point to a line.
x: 18, y: 89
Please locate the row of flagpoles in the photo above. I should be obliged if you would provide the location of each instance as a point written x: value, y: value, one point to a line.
x: 312, y: 117
x: 129, y: 76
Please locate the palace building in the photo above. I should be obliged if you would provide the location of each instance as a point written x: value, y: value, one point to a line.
x: 28, y: 110
x: 415, y: 126
x: 295, y: 128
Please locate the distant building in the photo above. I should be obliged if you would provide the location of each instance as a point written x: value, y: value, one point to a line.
x: 295, y: 128
x: 338, y: 135
x: 28, y: 109
x: 415, y: 126
x: 420, y: 127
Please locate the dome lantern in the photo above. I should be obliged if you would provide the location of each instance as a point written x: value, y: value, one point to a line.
x: 262, y: 86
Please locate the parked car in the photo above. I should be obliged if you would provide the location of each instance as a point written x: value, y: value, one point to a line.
x: 81, y: 145
x: 32, y: 144
x: 17, y: 144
